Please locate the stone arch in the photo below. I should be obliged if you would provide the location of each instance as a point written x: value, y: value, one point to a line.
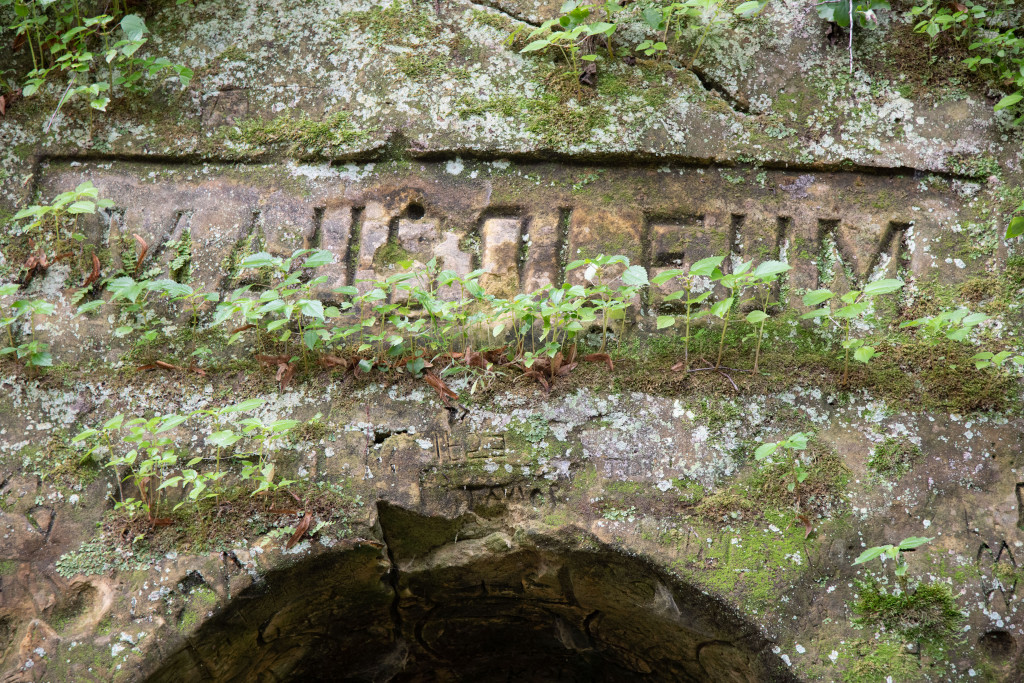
x: 448, y: 600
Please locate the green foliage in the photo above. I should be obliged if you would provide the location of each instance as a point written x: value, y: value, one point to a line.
x: 84, y: 199
x: 954, y: 325
x: 997, y: 52
x: 62, y: 40
x: 32, y: 352
x: 144, y: 453
x: 796, y: 442
x: 709, y: 268
x: 893, y: 552
x: 864, y: 13
x: 565, y: 33
x: 856, y: 304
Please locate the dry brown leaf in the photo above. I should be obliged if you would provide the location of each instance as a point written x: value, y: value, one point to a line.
x: 285, y: 372
x: 3, y: 106
x: 198, y: 370
x: 556, y: 363
x: 300, y: 530
x: 143, y: 248
x: 600, y: 358
x: 566, y: 369
x: 161, y: 521
x: 95, y: 274
x: 331, y: 361
x: 243, y: 328
x: 808, y: 527
x: 444, y: 392
x: 678, y: 366
x: 166, y: 366
x: 571, y: 356
x: 19, y: 42
x: 539, y: 377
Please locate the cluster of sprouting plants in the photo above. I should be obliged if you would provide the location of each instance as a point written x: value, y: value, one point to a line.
x: 149, y: 463
x: 584, y: 31
x: 94, y: 55
x: 433, y: 322
x: 578, y: 33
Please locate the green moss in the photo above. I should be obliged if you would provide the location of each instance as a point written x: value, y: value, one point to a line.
x: 893, y: 457
x: 980, y: 166
x: 419, y: 66
x: 391, y: 253
x: 8, y: 567
x: 394, y: 23
x: 879, y: 661
x: 301, y: 135
x: 929, y: 614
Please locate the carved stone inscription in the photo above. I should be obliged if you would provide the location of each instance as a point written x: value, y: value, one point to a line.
x: 201, y: 222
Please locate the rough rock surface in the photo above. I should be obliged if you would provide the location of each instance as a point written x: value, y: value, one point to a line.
x: 613, y: 528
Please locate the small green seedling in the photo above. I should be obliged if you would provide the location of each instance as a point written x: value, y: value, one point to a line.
x: 709, y: 268
x: 796, y: 442
x: 32, y: 352
x: 857, y: 304
x: 895, y: 553
x: 567, y: 31
x: 954, y: 325
x: 987, y: 359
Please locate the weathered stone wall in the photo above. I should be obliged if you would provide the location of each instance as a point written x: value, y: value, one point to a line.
x: 615, y: 527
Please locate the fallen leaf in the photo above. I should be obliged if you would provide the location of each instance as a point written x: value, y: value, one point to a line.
x: 285, y: 372
x: 19, y: 42
x: 600, y: 358
x: 3, y: 106
x: 539, y: 377
x: 556, y: 363
x: 143, y: 248
x: 331, y: 361
x: 162, y: 521
x: 166, y: 366
x: 95, y: 274
x: 808, y: 527
x: 300, y: 530
x: 243, y: 328
x: 444, y: 392
x: 566, y: 369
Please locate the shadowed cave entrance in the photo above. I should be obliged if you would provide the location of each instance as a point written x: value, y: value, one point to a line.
x: 453, y: 600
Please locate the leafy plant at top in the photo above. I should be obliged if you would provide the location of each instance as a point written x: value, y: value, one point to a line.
x: 678, y: 15
x: 856, y: 304
x: 84, y: 199
x: 32, y: 352
x: 863, y: 13
x: 702, y: 274
x: 997, y: 54
x: 796, y: 442
x: 838, y: 11
x: 895, y: 553
x: 565, y: 33
x: 61, y: 39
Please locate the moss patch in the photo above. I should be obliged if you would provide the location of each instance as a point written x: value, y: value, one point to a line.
x: 928, y: 614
